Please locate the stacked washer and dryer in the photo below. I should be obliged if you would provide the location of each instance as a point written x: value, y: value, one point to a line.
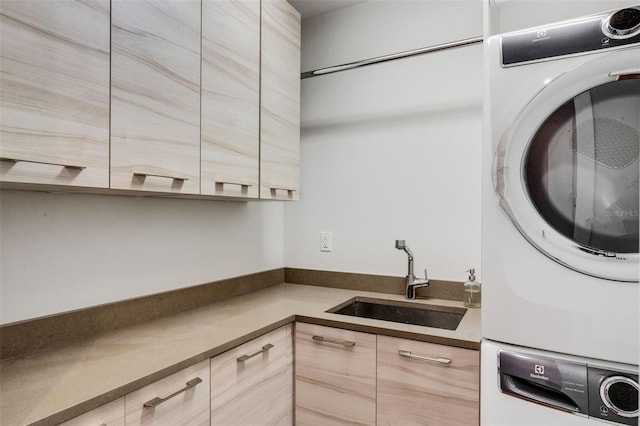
x: 560, y: 221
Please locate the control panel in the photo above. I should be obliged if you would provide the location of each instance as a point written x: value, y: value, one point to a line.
x: 592, y: 34
x: 570, y: 386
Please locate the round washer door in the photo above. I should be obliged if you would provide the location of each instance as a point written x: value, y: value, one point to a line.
x: 567, y: 168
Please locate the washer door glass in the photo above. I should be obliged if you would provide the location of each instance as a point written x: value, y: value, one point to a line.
x: 581, y: 169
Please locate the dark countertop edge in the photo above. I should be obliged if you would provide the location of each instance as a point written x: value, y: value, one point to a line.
x: 90, y: 404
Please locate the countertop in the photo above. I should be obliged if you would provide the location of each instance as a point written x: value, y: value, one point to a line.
x: 54, y: 385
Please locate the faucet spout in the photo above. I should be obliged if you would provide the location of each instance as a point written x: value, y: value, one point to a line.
x: 412, y: 283
x: 402, y: 245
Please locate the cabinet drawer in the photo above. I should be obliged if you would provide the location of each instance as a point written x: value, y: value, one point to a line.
x: 335, y: 376
x: 110, y: 414
x: 189, y: 407
x: 252, y: 383
x: 420, y: 387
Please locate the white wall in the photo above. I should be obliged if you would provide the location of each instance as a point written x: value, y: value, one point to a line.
x: 390, y: 151
x: 381, y: 27
x: 60, y: 252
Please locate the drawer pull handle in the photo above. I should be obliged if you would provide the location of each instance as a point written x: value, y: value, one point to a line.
x: 157, y: 400
x: 321, y: 339
x: 243, y: 186
x: 17, y: 160
x: 249, y: 356
x: 439, y: 360
x: 144, y: 175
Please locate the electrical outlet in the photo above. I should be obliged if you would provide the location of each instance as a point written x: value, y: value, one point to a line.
x: 325, y: 241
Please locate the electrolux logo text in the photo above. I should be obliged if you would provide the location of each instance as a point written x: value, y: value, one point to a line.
x: 541, y: 35
x: 539, y: 372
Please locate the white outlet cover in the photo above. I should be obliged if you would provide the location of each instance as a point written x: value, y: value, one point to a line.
x: 325, y: 241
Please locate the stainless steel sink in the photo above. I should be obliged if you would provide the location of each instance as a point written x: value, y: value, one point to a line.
x: 444, y: 317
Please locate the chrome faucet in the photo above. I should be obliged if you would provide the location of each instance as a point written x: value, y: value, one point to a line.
x: 411, y: 281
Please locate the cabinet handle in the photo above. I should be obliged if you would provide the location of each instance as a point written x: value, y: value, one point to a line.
x: 243, y: 186
x: 157, y: 400
x: 143, y: 175
x: 18, y: 160
x: 321, y: 339
x: 276, y: 189
x: 439, y: 360
x: 248, y: 356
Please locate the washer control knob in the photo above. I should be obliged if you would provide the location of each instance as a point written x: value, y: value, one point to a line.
x: 620, y: 395
x: 624, y: 23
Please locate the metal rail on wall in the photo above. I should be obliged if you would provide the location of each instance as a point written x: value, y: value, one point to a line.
x: 392, y: 57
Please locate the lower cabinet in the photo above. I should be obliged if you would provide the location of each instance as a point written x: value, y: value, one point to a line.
x: 110, y: 414
x: 335, y: 376
x: 341, y: 377
x: 347, y: 377
x: 427, y: 384
x: 179, y: 399
x: 252, y: 383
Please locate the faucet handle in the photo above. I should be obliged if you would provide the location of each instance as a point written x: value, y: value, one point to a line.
x: 426, y: 277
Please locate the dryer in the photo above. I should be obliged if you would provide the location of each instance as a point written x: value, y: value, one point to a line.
x: 560, y: 187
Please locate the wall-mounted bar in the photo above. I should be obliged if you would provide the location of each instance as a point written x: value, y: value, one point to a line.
x: 392, y: 57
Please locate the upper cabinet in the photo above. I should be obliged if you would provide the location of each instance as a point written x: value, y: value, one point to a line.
x: 230, y: 126
x: 280, y: 101
x: 155, y: 95
x: 54, y: 102
x: 191, y: 97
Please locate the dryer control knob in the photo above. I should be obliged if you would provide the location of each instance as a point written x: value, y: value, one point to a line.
x: 624, y: 23
x: 620, y: 395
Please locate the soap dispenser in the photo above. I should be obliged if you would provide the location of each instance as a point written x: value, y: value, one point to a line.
x: 472, y: 295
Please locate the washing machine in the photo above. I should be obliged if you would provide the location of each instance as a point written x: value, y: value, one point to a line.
x: 560, y: 214
x: 528, y: 387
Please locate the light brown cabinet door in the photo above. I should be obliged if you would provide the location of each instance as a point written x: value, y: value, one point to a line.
x: 335, y: 376
x: 54, y: 102
x: 110, y: 414
x: 417, y: 389
x: 155, y: 95
x: 230, y: 98
x: 252, y: 383
x: 280, y: 101
x: 185, y: 398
